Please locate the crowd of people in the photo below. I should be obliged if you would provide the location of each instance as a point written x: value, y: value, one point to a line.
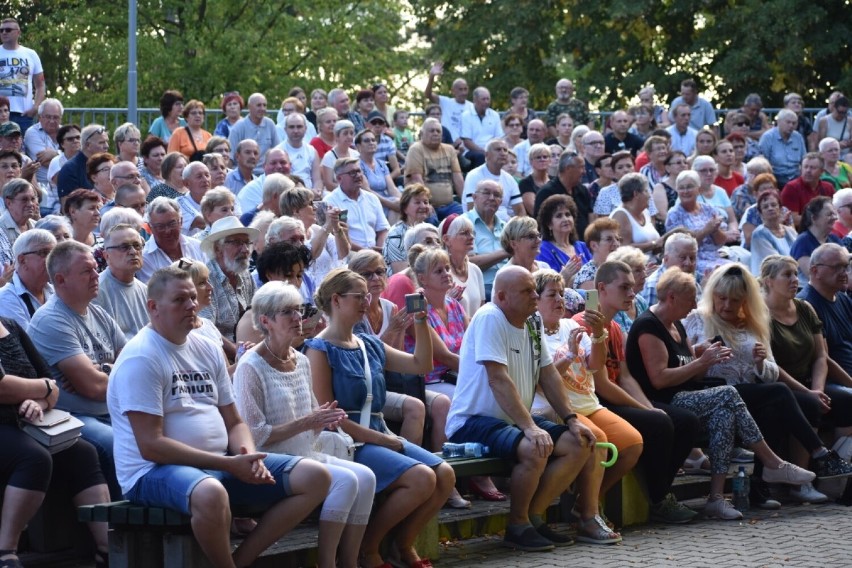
x: 213, y: 305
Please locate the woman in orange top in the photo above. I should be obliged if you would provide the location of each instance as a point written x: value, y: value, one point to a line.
x: 191, y: 140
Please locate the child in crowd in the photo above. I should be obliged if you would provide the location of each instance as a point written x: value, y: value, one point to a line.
x: 403, y: 136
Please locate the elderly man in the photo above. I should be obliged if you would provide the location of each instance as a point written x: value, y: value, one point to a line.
x: 488, y: 254
x: 435, y: 165
x: 496, y: 156
x: 183, y: 444
x: 536, y: 132
x: 759, y: 122
x: 479, y: 125
x: 255, y: 126
x: 40, y: 139
x: 339, y: 100
x: 453, y: 107
x: 228, y: 249
x: 491, y: 405
x: 620, y: 138
x: 368, y: 226
x: 29, y: 288
x: 121, y: 174
x: 683, y: 135
x: 593, y: 149
x: 797, y: 193
x: 277, y: 162
x: 23, y: 79
x: 274, y: 186
x: 565, y: 103
x: 702, y: 113
x: 385, y: 145
x: 94, y: 138
x: 131, y: 196
x: 681, y: 250
x: 795, y: 103
x: 783, y: 146
x: 21, y: 214
x: 568, y: 182
x: 304, y: 160
x: 247, y: 155
x: 119, y: 292
x: 80, y: 341
x: 167, y: 244
x: 196, y: 178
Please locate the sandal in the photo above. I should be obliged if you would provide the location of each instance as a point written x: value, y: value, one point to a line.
x: 12, y: 562
x: 494, y: 495
x: 697, y: 466
x: 456, y: 501
x: 595, y: 531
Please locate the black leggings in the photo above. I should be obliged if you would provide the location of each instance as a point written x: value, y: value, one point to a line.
x: 668, y: 439
x: 26, y: 464
x: 775, y: 410
x: 840, y: 414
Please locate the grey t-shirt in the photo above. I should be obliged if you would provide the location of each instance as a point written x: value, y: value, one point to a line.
x: 125, y: 302
x: 58, y: 333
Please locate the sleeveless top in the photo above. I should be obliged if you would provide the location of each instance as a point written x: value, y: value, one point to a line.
x: 640, y: 233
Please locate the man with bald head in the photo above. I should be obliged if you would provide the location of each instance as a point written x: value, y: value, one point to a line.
x: 536, y: 132
x: 256, y: 126
x: 593, y: 149
x: 502, y: 361
x: 435, y: 165
x: 565, y: 103
x: 277, y: 162
x: 451, y: 107
x: 621, y: 138
x: 479, y: 126
x: 247, y: 155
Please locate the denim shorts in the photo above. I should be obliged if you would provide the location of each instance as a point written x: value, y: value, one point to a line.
x: 501, y: 437
x: 171, y: 486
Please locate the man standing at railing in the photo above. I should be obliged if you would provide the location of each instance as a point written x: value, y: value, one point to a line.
x: 23, y: 77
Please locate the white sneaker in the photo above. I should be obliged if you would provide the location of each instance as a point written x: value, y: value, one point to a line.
x: 788, y: 473
x: 807, y: 494
x: 722, y: 509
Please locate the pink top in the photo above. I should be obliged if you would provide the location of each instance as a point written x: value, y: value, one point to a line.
x: 450, y: 333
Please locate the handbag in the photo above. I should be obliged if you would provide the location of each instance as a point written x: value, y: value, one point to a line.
x: 197, y: 155
x: 338, y: 443
x: 56, y: 431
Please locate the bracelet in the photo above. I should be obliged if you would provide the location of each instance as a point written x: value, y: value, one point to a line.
x: 569, y: 417
x: 49, y: 388
x: 601, y: 338
x: 419, y: 320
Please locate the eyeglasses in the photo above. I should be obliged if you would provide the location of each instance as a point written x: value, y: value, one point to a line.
x: 743, y: 123
x: 379, y: 273
x: 836, y: 268
x: 42, y: 252
x: 8, y: 30
x: 237, y: 243
x: 532, y: 236
x: 595, y: 143
x: 129, y: 176
x: 132, y: 140
x: 352, y: 173
x: 25, y: 199
x: 124, y: 248
x: 102, y: 170
x: 491, y: 194
x: 360, y: 296
x: 165, y: 226
x: 291, y: 311
x: 71, y: 138
x: 97, y: 132
x: 514, y: 125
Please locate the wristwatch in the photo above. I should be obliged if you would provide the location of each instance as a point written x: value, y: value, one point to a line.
x: 106, y: 368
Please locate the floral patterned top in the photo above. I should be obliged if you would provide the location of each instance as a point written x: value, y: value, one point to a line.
x: 450, y: 333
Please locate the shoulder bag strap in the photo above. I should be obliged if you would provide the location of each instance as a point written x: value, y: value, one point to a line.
x: 368, y: 402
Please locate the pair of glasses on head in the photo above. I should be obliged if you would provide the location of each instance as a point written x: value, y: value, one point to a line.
x: 97, y: 132
x: 41, y: 252
x: 185, y: 263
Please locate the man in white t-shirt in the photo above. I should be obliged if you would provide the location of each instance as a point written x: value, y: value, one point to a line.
x: 181, y: 444
x: 496, y: 156
x: 502, y: 360
x: 304, y: 161
x: 23, y: 76
x: 451, y: 107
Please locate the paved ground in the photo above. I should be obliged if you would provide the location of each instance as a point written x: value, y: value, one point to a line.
x: 795, y: 536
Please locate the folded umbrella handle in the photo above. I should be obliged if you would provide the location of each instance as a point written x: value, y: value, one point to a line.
x: 611, y: 447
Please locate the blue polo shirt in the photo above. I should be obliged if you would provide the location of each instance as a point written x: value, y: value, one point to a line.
x: 485, y: 241
x: 836, y: 317
x: 784, y: 155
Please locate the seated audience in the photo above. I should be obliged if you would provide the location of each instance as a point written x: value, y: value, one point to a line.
x: 602, y: 238
x: 560, y: 247
x: 30, y: 286
x: 119, y: 292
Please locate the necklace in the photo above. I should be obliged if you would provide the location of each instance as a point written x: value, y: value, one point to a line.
x: 551, y: 330
x: 271, y: 352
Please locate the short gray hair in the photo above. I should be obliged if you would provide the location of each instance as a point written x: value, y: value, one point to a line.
x: 53, y: 222
x: 122, y: 132
x: 54, y: 102
x: 190, y: 169
x: 31, y: 239
x: 216, y: 197
x: 785, y: 113
x: 841, y: 197
x: 276, y: 184
x: 120, y: 216
x: 824, y: 250
x: 414, y: 234
x: 269, y: 298
x: 280, y: 225
x: 163, y: 204
x: 678, y: 239
x: 60, y: 257
x: 15, y: 186
x: 702, y: 161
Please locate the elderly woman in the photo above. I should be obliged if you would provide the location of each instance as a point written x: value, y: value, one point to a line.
x: 325, y: 139
x: 191, y: 140
x: 127, y: 139
x: 522, y: 242
x: 519, y: 98
x: 404, y: 282
x: 513, y: 129
x: 216, y: 203
x: 97, y: 170
x: 726, y: 176
x: 574, y: 356
x: 232, y: 105
x: 732, y: 308
x: 58, y: 225
x: 219, y: 145
x: 344, y: 135
x: 82, y: 208
x: 636, y: 227
x: 272, y: 390
x: 153, y: 152
x: 457, y: 236
x: 327, y: 253
x: 377, y: 176
x: 560, y: 248
x: 772, y: 236
x: 172, y: 172
x: 664, y: 193
x: 540, y: 159
x: 602, y: 238
x: 701, y: 220
x: 818, y: 220
x: 171, y: 107
x: 837, y: 172
x: 656, y: 148
x: 636, y: 260
x: 661, y: 359
x: 217, y: 164
x: 27, y: 392
x: 416, y: 482
x: 576, y: 145
x: 711, y: 194
x: 414, y: 208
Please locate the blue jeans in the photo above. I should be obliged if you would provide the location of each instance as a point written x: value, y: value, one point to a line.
x: 445, y: 211
x: 21, y: 120
x: 97, y: 430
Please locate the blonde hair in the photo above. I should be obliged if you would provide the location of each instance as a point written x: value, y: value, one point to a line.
x: 428, y: 259
x: 735, y: 281
x: 772, y: 266
x: 674, y: 280
x: 338, y: 281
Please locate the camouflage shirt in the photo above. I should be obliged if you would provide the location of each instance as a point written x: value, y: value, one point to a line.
x: 575, y: 107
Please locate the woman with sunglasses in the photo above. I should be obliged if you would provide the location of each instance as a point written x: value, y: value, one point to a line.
x: 513, y: 128
x: 415, y: 482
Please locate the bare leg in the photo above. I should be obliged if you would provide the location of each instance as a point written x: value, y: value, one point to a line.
x: 329, y: 537
x: 526, y: 476
x: 439, y: 409
x: 589, y: 484
x: 717, y: 484
x: 350, y: 546
x: 414, y: 523
x: 92, y: 496
x: 19, y: 506
x: 627, y: 459
x: 413, y: 420
x: 211, y: 520
x: 560, y: 472
x: 766, y: 455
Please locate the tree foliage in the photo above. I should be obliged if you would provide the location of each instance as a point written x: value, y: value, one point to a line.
x: 611, y: 48
x: 205, y: 47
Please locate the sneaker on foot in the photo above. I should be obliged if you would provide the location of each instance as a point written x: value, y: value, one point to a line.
x: 526, y: 538
x: 807, y: 494
x: 671, y: 512
x: 831, y: 465
x: 722, y: 509
x: 759, y: 496
x: 787, y: 473
x: 742, y: 455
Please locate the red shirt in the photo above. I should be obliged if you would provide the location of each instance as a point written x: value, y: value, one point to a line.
x: 731, y: 183
x: 320, y: 146
x: 614, y: 346
x: 797, y: 194
x: 641, y: 160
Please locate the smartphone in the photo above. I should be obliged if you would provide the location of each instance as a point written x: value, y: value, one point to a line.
x: 344, y: 215
x: 319, y: 208
x: 592, y: 301
x: 718, y: 339
x: 415, y: 303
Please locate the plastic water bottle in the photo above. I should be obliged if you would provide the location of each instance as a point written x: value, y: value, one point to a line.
x: 741, y: 484
x: 466, y: 450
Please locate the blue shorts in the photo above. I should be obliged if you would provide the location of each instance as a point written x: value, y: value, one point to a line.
x: 501, y: 437
x: 171, y: 486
